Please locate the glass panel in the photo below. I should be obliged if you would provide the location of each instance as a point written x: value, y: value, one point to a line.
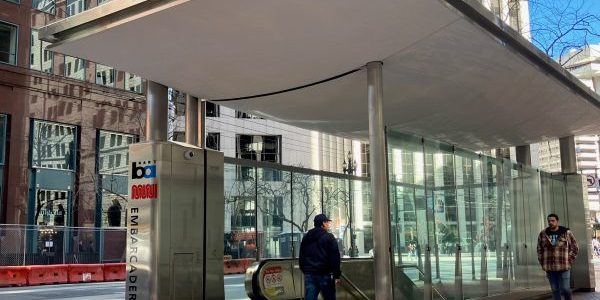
x: 112, y: 168
x: 518, y: 228
x: 51, y: 207
x: 53, y: 145
x: 74, y: 7
x: 133, y: 83
x: 47, y: 6
x: 495, y: 226
x: 74, y: 68
x: 40, y: 58
x: 306, y: 202
x: 472, y: 229
x: 100, y: 2
x: 274, y: 213
x: 444, y: 222
x: 336, y: 205
x: 115, y: 145
x: 8, y: 43
x: 240, y: 212
x: 105, y: 75
x: 362, y: 218
x: 535, y: 222
x: 409, y: 216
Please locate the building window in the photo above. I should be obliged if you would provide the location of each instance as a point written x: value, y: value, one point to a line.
x: 243, y: 115
x: 74, y: 7
x: 212, y: 110
x: 49, y: 136
x: 8, y: 43
x: 105, y: 75
x: 364, y: 152
x: 259, y: 147
x: 133, y: 83
x: 112, y: 166
x: 74, y: 68
x: 213, y: 141
x: 51, y: 207
x: 178, y: 100
x: 117, y: 147
x: 47, y: 6
x: 100, y: 2
x: 179, y: 136
x: 39, y: 58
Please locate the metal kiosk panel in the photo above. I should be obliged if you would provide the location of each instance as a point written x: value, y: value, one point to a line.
x: 173, y: 221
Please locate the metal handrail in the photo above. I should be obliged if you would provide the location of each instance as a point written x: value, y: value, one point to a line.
x: 416, y: 267
x: 361, y: 293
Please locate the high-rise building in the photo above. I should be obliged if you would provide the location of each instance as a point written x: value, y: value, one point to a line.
x: 585, y: 65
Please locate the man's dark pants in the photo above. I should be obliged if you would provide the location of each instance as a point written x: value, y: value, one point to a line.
x: 560, y: 282
x: 314, y: 283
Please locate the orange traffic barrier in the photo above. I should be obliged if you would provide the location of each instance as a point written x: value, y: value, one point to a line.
x: 85, y: 273
x: 50, y: 274
x: 13, y: 276
x: 234, y: 266
x: 114, y: 271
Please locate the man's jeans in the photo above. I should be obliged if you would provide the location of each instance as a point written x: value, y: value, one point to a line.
x: 313, y: 284
x: 560, y: 282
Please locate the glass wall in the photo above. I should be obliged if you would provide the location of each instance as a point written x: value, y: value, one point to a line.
x: 268, y: 210
x: 468, y: 220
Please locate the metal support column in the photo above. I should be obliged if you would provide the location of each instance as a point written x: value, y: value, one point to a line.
x: 191, y: 120
x: 568, y: 159
x: 524, y: 154
x: 379, y: 189
x: 157, y: 107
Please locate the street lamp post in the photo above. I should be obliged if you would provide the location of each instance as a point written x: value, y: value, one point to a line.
x: 349, y: 168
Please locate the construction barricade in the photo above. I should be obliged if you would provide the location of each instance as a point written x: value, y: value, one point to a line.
x: 85, y: 273
x: 236, y: 266
x: 49, y: 274
x: 13, y: 276
x: 114, y: 271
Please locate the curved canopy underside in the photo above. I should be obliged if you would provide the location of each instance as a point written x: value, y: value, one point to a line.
x: 449, y: 72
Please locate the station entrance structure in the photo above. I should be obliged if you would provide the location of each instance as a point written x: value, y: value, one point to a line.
x: 448, y: 70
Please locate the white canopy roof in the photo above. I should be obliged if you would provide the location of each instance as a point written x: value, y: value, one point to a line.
x: 452, y: 71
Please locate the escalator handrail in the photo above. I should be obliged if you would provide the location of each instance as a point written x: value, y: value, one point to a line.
x: 360, y: 292
x: 416, y: 267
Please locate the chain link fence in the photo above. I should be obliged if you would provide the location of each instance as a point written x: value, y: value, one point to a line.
x: 42, y: 245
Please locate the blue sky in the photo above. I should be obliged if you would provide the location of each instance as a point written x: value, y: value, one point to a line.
x: 540, y: 14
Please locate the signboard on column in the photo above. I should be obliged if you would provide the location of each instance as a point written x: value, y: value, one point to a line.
x: 143, y: 191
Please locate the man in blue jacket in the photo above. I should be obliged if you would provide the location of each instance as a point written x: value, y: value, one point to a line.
x: 320, y: 260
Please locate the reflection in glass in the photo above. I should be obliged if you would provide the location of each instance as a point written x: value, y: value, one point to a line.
x: 275, y: 215
x: 40, y: 58
x: 46, y: 6
x: 454, y: 202
x: 74, y: 7
x: 112, y: 166
x: 240, y: 238
x: 53, y: 145
x: 133, y: 83
x: 74, y: 67
x: 105, y: 75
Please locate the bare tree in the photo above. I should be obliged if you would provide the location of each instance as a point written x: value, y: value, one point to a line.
x: 560, y: 26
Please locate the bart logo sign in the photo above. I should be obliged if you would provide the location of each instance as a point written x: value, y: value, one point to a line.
x: 142, y: 171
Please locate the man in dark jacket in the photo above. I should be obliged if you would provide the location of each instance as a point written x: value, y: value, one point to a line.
x: 320, y: 260
x: 557, y: 249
